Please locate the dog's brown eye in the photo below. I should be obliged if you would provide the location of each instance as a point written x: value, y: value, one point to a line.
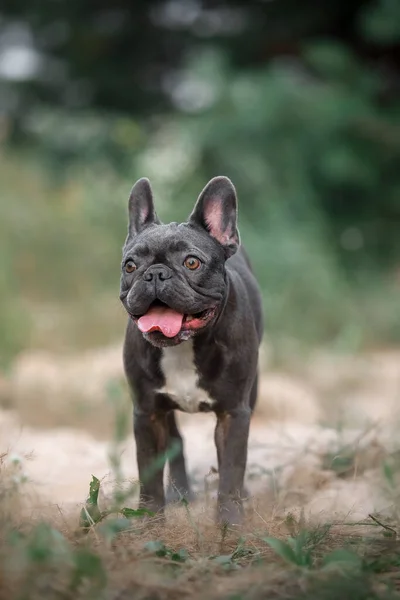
x: 192, y: 263
x: 130, y: 266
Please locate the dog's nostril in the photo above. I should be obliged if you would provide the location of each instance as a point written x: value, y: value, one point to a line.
x: 162, y: 272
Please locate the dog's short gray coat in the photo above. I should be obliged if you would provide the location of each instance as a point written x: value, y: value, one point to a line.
x: 210, y: 368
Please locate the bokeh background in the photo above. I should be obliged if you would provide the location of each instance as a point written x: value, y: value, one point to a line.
x: 297, y: 102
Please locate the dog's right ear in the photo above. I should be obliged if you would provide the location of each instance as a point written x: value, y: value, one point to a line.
x: 141, y: 207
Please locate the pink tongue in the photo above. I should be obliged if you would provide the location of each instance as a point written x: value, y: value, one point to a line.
x: 158, y: 318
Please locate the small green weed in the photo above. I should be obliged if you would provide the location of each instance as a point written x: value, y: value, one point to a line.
x: 161, y: 550
x: 302, y: 551
x: 91, y: 514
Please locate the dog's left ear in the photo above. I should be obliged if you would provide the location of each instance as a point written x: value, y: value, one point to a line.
x: 216, y: 212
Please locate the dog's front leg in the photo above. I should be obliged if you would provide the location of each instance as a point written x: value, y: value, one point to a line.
x: 231, y: 437
x: 151, y: 435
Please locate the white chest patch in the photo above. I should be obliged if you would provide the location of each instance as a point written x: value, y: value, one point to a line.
x: 181, y: 378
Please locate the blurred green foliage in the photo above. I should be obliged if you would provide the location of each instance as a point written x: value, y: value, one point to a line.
x: 309, y: 136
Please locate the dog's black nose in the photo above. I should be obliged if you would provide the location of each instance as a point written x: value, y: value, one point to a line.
x: 161, y: 272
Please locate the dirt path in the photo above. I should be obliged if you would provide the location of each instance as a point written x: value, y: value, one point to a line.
x: 285, y: 465
x: 291, y: 461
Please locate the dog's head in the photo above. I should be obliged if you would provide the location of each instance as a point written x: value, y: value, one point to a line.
x: 173, y: 279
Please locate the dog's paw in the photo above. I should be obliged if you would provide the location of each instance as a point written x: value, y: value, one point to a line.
x: 245, y: 495
x: 230, y: 513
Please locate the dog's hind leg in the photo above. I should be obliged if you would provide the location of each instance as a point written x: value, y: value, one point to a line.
x: 254, y: 393
x: 253, y: 399
x: 178, y: 484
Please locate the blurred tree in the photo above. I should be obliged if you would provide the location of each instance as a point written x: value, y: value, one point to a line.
x: 298, y: 102
x: 125, y: 56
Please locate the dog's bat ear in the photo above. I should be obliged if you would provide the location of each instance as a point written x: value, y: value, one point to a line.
x: 141, y: 207
x: 216, y: 212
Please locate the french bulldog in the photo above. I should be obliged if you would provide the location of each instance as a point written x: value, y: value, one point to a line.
x: 192, y: 340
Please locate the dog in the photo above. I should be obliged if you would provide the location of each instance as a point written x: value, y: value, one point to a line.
x: 192, y: 340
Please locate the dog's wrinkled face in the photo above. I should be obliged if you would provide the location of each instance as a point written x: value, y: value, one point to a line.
x: 173, y: 276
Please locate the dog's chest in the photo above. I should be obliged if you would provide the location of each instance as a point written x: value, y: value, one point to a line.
x: 181, y: 378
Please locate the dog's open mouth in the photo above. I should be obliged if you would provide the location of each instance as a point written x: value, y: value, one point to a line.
x: 160, y: 317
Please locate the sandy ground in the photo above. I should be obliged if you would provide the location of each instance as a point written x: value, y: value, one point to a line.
x: 289, y: 450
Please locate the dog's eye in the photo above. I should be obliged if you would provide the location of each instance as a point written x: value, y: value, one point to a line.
x: 130, y: 266
x: 192, y: 263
